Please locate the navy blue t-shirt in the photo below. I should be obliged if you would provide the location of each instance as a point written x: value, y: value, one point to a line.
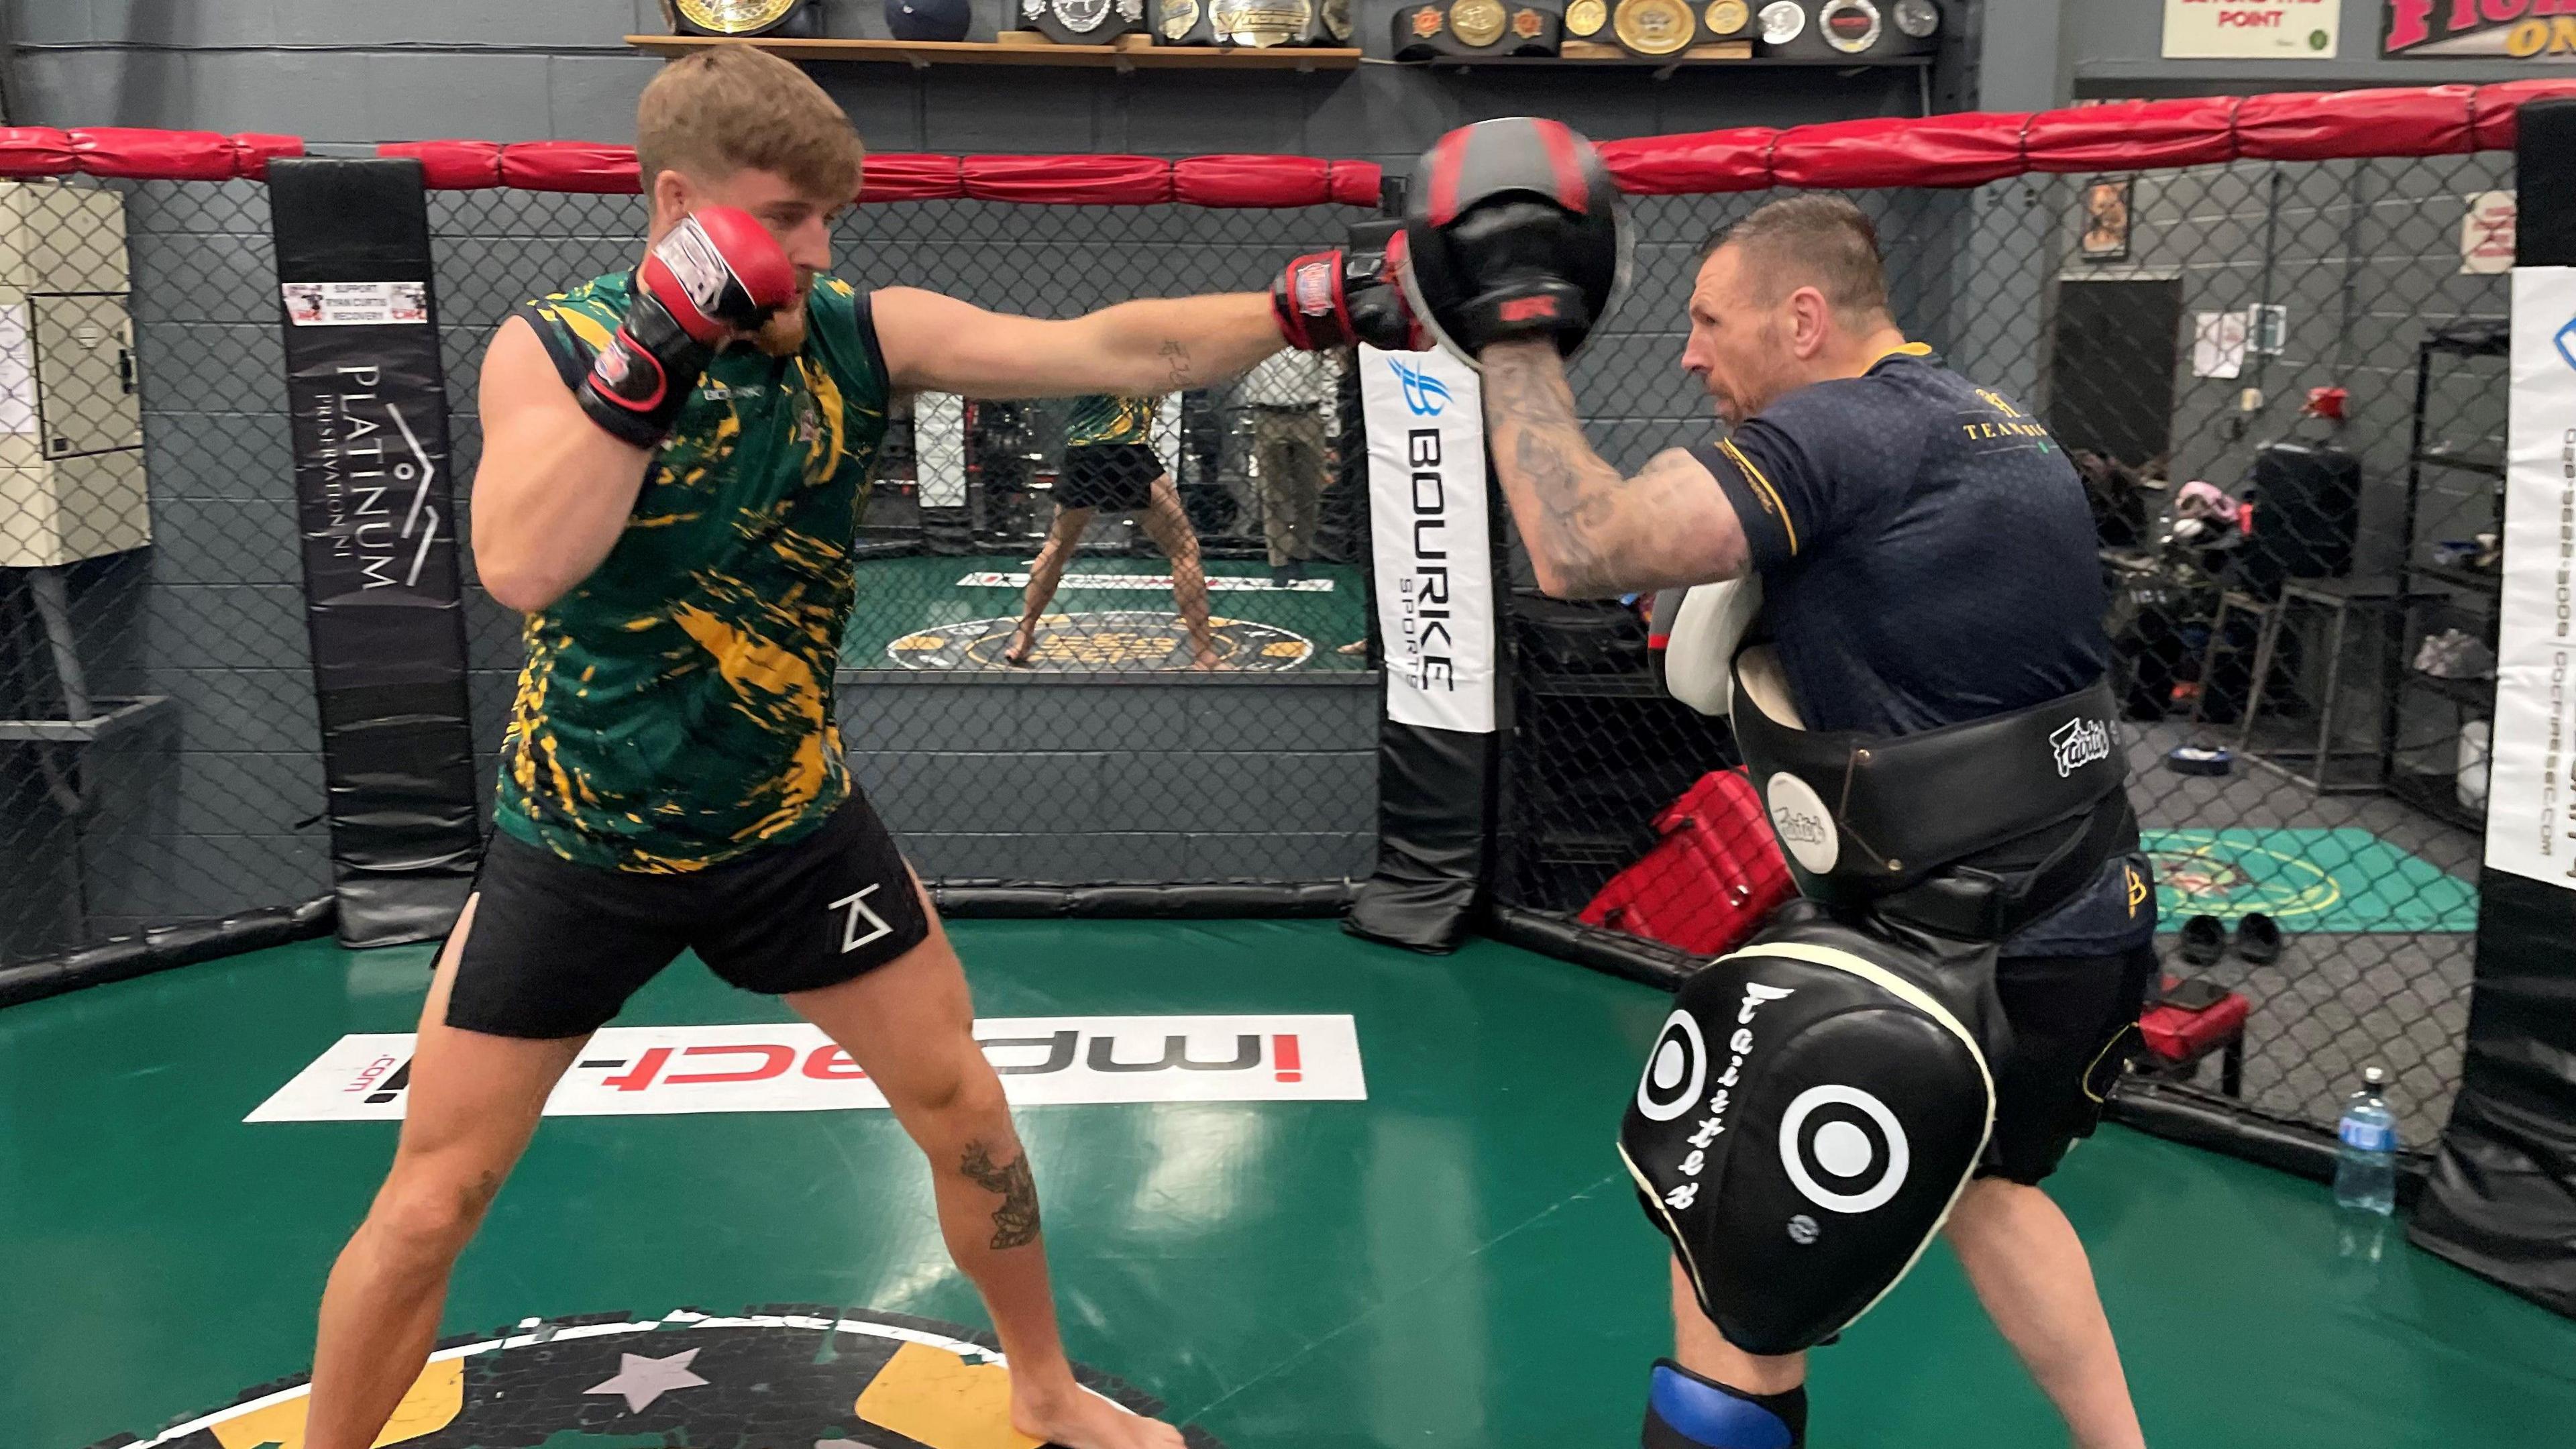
x: 1927, y: 558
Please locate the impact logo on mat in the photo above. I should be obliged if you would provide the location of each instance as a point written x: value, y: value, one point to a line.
x: 1425, y: 396
x: 792, y: 1376
x: 647, y: 1071
x: 1118, y: 639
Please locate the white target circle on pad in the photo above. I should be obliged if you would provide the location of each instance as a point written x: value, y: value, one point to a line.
x: 1843, y: 1150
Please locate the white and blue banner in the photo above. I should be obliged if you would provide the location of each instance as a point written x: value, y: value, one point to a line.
x: 1432, y: 537
x: 2531, y: 800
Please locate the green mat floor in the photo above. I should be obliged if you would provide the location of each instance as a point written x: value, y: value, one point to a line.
x: 1456, y: 1260
x: 901, y: 599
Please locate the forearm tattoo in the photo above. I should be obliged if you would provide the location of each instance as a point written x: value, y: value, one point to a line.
x: 1177, y: 359
x: 1565, y: 498
x: 1015, y: 1222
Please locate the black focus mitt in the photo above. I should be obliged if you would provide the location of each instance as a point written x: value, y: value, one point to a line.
x: 1514, y: 230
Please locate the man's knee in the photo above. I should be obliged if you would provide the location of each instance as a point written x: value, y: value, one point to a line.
x: 957, y: 1083
x: 430, y: 1212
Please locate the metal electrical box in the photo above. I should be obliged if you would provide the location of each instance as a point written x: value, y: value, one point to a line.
x: 71, y: 431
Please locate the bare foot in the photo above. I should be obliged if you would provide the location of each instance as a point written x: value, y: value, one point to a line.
x: 1087, y: 1421
x: 1023, y: 643
x: 1207, y: 658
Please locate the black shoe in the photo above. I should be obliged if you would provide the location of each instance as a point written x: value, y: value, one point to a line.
x: 2204, y: 940
x: 2258, y: 940
x: 1280, y: 574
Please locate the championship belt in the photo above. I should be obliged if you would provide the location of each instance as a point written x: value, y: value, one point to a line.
x: 1251, y: 24
x: 1654, y: 28
x: 737, y: 17
x: 1847, y: 31
x: 1083, y: 22
x: 1479, y: 29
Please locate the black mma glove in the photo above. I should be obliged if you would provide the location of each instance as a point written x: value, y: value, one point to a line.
x: 1512, y: 259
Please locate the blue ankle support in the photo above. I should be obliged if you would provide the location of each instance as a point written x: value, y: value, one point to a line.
x: 1686, y: 1411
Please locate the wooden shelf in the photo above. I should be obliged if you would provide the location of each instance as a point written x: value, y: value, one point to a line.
x: 1128, y: 52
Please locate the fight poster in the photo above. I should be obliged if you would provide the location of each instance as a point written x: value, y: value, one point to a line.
x: 377, y: 523
x: 1432, y: 537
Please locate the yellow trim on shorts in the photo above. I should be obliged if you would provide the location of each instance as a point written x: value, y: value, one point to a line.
x: 1754, y: 476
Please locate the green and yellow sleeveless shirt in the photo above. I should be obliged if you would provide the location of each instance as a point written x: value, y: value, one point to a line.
x: 675, y: 710
x: 1097, y: 418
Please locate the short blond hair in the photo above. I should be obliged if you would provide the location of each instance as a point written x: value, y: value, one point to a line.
x: 732, y: 108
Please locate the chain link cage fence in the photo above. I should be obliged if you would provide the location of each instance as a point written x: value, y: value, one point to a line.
x: 2309, y: 587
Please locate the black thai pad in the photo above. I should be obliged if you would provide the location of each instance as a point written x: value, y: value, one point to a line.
x: 1811, y: 1109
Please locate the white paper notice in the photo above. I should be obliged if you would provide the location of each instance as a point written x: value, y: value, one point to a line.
x: 17, y: 371
x: 2217, y: 344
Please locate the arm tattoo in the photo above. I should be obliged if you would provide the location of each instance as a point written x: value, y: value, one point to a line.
x: 1015, y: 1222
x: 1567, y: 501
x: 1177, y: 358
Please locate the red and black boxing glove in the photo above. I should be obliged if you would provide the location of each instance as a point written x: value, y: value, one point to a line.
x: 1348, y: 295
x: 719, y: 273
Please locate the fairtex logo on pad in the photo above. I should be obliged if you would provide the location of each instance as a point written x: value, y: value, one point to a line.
x: 1424, y: 396
x: 1738, y: 1047
x: 792, y: 1067
x: 2080, y: 742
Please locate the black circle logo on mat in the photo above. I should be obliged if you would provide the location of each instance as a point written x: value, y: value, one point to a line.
x: 1111, y: 640
x: 798, y: 1377
x: 1675, y: 1070
x: 1843, y: 1149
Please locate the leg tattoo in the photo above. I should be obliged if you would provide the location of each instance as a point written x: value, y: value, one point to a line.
x: 1015, y: 1222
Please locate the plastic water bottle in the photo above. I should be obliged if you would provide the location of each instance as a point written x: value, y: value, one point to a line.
x: 2366, y: 1167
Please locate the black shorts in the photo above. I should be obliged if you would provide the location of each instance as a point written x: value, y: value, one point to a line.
x: 2073, y: 1020
x: 1108, y: 475
x: 557, y: 947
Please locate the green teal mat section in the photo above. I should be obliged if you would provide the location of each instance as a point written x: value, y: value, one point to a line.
x: 2345, y: 879
x: 1457, y: 1261
x: 899, y: 596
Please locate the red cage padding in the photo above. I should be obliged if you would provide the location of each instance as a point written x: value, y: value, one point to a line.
x: 1966, y: 148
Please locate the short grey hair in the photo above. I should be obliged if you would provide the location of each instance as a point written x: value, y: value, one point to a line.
x: 1814, y: 240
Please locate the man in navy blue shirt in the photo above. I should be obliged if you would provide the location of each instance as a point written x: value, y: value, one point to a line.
x: 1926, y: 558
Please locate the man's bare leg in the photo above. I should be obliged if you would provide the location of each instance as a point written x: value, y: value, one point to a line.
x: 1063, y: 537
x: 2031, y: 1274
x: 1168, y: 524
x: 473, y: 1103
x: 910, y: 1025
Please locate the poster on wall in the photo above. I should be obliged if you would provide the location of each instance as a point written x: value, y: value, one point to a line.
x: 2531, y: 794
x: 2448, y: 29
x: 2252, y: 29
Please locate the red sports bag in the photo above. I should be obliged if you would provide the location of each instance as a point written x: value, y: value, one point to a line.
x: 1711, y: 879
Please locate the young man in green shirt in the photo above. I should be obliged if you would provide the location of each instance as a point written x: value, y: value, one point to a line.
x: 674, y: 463
x: 1110, y: 462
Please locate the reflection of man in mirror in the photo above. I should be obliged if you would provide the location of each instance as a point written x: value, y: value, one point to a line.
x: 2106, y: 217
